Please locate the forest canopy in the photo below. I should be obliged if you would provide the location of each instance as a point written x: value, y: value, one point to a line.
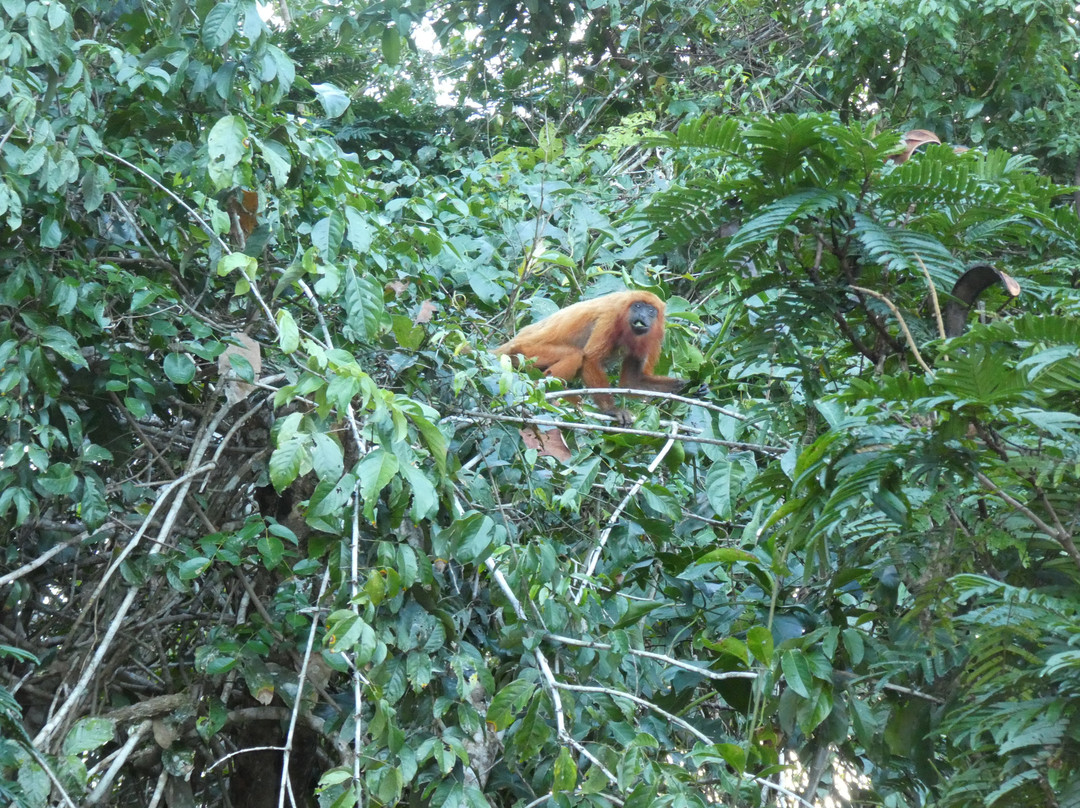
x: 277, y: 527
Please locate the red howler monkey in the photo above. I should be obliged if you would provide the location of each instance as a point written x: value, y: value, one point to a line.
x: 586, y: 337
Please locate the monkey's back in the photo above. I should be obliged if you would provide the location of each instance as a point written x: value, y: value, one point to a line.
x: 572, y: 325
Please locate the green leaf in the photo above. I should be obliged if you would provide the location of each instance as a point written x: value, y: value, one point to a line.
x: 277, y: 160
x: 288, y: 333
x: 327, y: 458
x: 330, y: 499
x: 220, y: 24
x: 718, y: 488
x: 728, y: 555
x: 180, y: 368
x: 272, y: 551
x: 508, y: 701
x: 408, y: 335
x: 18, y: 497
x: 335, y: 776
x: 365, y: 308
x: 93, y: 187
x: 63, y: 343
x: 816, y: 710
x: 565, y: 772
x: 375, y: 472
x: 534, y: 733
x: 734, y: 755
x: 32, y: 160
x: 760, y: 642
x: 328, y: 233
x: 286, y: 461
x: 797, y: 672
x: 58, y: 480
x: 52, y: 236
x: 93, y: 506
x: 245, y: 263
x: 391, y: 46
x: 551, y: 147
x: 425, y: 500
x: 359, y: 229
x: 434, y: 439
x: 193, y: 567
x: 388, y: 785
x: 45, y: 43
x: 227, y: 146
x: 34, y: 785
x: 854, y: 645
x: 471, y: 537
x: 333, y: 100
x: 88, y: 734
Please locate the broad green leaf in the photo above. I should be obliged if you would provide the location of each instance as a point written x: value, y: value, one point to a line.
x: 63, y: 343
x: 44, y: 41
x: 565, y: 772
x: 335, y: 776
x: 508, y: 701
x: 193, y: 567
x: 760, y: 642
x: 375, y: 472
x: 93, y: 506
x: 272, y: 550
x: 34, y: 784
x: 327, y: 458
x: 93, y: 187
x: 471, y: 537
x: 333, y: 100
x: 286, y: 461
x: 425, y: 498
x: 359, y: 230
x: 245, y: 263
x: 328, y: 233
x: 220, y: 24
x: 288, y: 333
x: 797, y: 672
x: 391, y: 46
x: 277, y: 160
x: 59, y: 479
x: 226, y: 146
x: 180, y: 368
x: 365, y: 307
x: 88, y: 734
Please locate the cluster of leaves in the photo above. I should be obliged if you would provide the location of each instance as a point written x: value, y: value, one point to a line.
x: 983, y: 74
x: 937, y: 498
x: 261, y: 489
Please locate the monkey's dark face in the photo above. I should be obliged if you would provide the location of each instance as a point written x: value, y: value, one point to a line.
x: 642, y: 317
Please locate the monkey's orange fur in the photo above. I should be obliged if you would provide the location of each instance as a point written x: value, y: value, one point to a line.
x: 583, y: 339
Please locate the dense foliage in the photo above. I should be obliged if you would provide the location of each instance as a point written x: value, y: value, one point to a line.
x: 276, y: 528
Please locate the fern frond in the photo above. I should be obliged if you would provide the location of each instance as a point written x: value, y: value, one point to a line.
x: 781, y: 214
x: 978, y: 377
x: 970, y: 586
x: 896, y: 248
x: 708, y: 136
x: 1034, y: 328
x: 791, y: 148
x: 939, y: 180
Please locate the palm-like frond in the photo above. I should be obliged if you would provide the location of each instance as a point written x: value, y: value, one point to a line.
x: 774, y: 218
x: 899, y: 249
x: 707, y: 138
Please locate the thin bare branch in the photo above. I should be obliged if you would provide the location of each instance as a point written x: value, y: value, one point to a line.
x: 903, y: 325
x: 475, y: 416
x: 934, y: 303
x: 597, y: 551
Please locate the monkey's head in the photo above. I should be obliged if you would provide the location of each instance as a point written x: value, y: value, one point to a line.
x: 641, y: 318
